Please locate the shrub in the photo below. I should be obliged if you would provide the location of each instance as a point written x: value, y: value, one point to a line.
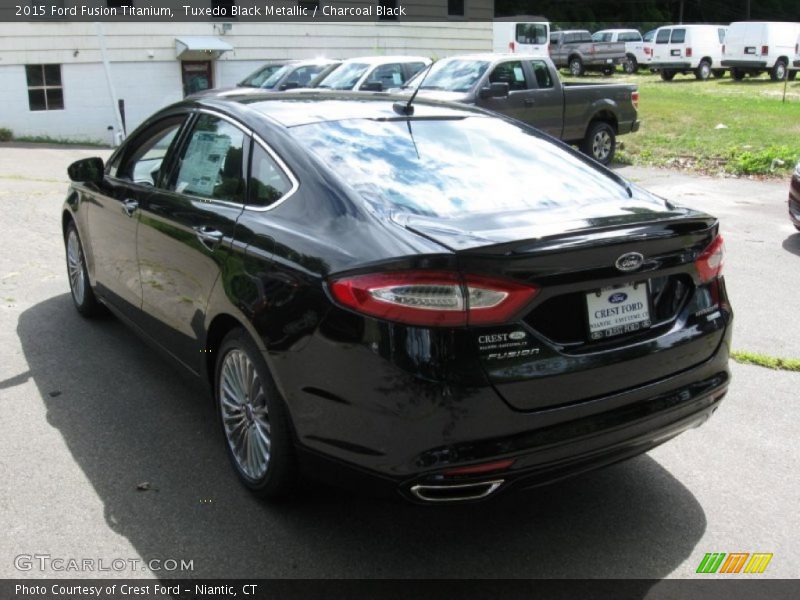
x: 6, y: 135
x: 766, y: 160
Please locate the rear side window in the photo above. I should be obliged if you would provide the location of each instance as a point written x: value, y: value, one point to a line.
x: 268, y: 182
x: 510, y: 73
x: 212, y: 163
x: 678, y: 36
x: 531, y: 33
x: 630, y: 36
x: 662, y: 37
x: 603, y: 37
x: 542, y: 74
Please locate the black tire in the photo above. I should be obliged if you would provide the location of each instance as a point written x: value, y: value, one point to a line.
x: 79, y: 286
x: 779, y: 71
x: 718, y: 73
x: 576, y: 67
x: 630, y: 66
x: 600, y: 142
x: 703, y: 70
x: 737, y: 74
x: 280, y: 474
x: 792, y: 75
x: 667, y: 75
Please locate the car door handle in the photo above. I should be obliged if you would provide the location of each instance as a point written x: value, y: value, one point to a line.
x: 529, y: 102
x: 130, y: 206
x: 208, y: 236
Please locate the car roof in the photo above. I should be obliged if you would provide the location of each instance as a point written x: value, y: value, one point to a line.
x: 291, y: 109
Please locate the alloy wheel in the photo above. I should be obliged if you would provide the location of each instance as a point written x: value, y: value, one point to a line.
x: 245, y: 417
x: 601, y: 145
x: 75, y: 270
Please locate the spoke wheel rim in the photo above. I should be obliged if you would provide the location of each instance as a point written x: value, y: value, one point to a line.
x: 245, y: 418
x: 77, y: 280
x: 601, y: 145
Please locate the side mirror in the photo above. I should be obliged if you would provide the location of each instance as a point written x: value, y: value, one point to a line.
x: 372, y: 86
x: 495, y: 90
x: 289, y: 85
x: 87, y: 170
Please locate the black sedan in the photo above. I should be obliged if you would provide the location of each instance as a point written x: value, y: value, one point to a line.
x: 435, y: 300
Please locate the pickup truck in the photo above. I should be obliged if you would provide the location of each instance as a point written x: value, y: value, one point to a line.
x: 634, y: 46
x: 577, y: 51
x: 527, y: 88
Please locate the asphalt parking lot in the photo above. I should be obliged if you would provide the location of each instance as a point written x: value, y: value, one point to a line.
x: 89, y: 412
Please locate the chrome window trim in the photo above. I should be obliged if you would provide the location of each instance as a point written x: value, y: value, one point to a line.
x: 266, y: 147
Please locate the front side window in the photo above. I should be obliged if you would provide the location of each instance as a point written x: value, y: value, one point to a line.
x: 143, y: 164
x: 302, y: 76
x: 268, y: 182
x: 345, y: 77
x: 212, y: 163
x: 45, y: 91
x: 662, y: 37
x: 603, y: 37
x: 531, y: 33
x: 678, y: 36
x: 510, y: 73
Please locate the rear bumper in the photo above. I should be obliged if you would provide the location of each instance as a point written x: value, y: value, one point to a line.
x: 545, y: 445
x: 600, y: 63
x: 628, y: 127
x: 745, y: 64
x: 671, y: 65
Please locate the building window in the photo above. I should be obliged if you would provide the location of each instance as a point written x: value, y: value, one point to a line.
x: 455, y: 8
x: 45, y: 91
x: 388, y: 15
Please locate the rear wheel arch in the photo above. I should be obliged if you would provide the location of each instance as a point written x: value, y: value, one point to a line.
x: 220, y: 326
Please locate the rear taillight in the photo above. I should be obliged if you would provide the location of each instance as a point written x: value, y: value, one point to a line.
x: 635, y: 99
x: 764, y: 50
x: 709, y: 264
x: 512, y: 47
x: 688, y: 52
x: 433, y: 298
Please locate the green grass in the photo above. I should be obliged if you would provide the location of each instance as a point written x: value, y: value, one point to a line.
x: 763, y: 360
x: 761, y: 133
x: 46, y: 139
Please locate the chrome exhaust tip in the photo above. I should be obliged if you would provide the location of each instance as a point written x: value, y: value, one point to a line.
x: 455, y: 492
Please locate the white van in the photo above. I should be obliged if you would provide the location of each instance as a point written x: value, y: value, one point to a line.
x: 752, y: 48
x: 634, y: 46
x: 689, y: 49
x: 521, y: 35
x: 796, y: 62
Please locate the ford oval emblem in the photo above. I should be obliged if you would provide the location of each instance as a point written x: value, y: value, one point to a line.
x: 618, y: 297
x: 629, y: 261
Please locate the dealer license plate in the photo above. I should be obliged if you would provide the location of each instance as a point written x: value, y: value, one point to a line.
x: 618, y: 310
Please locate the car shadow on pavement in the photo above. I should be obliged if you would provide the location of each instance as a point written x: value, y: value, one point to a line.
x: 792, y: 244
x: 128, y: 416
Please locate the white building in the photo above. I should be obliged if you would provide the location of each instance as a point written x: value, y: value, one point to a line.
x: 53, y: 81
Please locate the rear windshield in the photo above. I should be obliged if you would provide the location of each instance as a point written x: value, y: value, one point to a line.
x: 345, y: 77
x: 257, y: 78
x: 445, y: 167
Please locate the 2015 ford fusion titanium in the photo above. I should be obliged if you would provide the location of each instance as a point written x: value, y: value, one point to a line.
x: 434, y: 300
